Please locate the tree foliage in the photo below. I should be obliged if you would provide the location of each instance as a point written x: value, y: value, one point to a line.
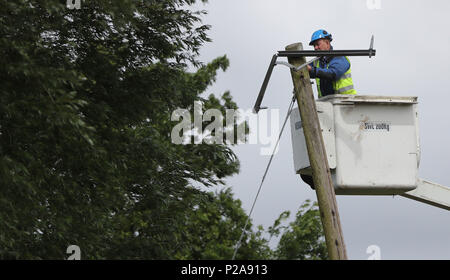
x: 85, y: 151
x: 303, y: 239
x: 215, y: 226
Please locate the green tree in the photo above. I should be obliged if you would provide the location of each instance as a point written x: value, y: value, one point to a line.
x: 86, y: 156
x: 215, y: 225
x: 303, y: 239
x: 85, y: 151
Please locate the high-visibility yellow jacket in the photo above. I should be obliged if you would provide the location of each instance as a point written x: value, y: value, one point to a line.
x: 336, y: 79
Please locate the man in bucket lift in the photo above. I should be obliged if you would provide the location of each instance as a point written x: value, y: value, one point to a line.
x: 333, y: 74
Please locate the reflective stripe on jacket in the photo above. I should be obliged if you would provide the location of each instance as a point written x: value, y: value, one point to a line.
x: 344, y: 85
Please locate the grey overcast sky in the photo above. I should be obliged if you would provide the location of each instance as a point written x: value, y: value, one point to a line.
x: 412, y: 42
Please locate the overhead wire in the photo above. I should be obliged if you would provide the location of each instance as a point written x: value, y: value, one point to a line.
x: 238, y: 244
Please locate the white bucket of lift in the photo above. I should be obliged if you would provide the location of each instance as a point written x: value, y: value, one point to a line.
x: 372, y: 143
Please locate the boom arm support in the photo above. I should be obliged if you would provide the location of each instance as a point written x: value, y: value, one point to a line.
x: 430, y: 193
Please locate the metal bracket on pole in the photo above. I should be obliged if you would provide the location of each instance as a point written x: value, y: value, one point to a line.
x: 257, y: 106
x: 317, y: 54
x: 371, y: 50
x: 296, y: 68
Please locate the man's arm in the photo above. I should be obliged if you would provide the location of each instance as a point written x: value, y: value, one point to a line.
x: 338, y: 66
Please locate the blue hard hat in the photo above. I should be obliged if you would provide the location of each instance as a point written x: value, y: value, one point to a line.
x: 319, y: 34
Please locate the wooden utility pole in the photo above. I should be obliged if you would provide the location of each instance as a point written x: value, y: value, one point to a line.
x: 318, y: 159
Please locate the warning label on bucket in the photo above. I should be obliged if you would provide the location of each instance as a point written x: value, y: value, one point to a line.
x: 376, y: 126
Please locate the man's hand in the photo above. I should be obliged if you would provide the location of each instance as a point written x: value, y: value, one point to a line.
x: 309, y: 67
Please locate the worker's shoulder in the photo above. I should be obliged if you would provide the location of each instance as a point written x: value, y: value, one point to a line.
x: 340, y: 60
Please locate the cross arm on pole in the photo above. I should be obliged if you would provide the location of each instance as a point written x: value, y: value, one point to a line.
x: 300, y: 54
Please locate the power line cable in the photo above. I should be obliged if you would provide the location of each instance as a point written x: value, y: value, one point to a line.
x: 291, y: 105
